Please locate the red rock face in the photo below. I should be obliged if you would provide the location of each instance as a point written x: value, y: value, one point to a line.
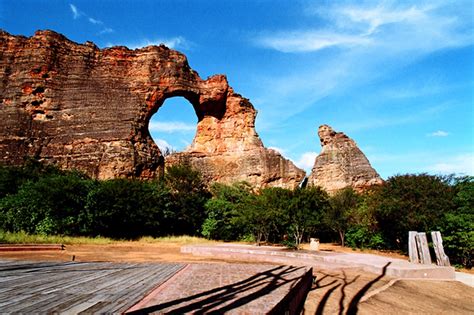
x: 81, y: 107
x: 341, y: 164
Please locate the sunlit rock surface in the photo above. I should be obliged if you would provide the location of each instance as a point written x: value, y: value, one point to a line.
x: 86, y: 108
x: 341, y: 164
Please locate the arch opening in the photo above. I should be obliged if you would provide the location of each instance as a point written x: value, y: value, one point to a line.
x: 173, y: 126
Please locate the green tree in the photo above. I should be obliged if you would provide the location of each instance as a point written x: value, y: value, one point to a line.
x: 340, y: 214
x: 411, y: 202
x: 223, y: 208
x: 363, y: 231
x: 305, y: 212
x: 50, y: 205
x: 457, y: 227
x: 123, y: 208
x: 12, y: 177
x: 185, y: 213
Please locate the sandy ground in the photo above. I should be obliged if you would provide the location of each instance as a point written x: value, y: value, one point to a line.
x: 333, y: 292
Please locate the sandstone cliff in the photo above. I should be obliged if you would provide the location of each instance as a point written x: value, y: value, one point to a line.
x: 341, y: 164
x: 87, y: 108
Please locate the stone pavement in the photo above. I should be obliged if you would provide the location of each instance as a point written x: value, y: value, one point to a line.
x: 393, y: 267
x: 230, y: 289
x: 465, y: 278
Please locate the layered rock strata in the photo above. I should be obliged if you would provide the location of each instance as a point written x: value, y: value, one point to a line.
x: 86, y: 108
x: 341, y: 164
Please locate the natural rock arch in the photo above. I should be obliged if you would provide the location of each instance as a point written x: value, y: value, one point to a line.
x: 168, y: 136
x: 81, y: 107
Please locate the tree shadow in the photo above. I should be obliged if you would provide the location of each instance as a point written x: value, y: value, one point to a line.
x: 354, y: 304
x: 223, y: 299
x: 342, y: 283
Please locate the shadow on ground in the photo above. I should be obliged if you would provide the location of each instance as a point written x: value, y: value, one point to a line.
x: 229, y: 297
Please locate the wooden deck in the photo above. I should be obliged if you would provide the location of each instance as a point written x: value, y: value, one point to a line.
x: 75, y: 287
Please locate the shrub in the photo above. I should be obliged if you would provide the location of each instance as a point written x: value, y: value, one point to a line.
x: 411, y: 202
x: 185, y: 212
x: 363, y: 237
x: 222, y: 210
x: 122, y: 208
x: 50, y: 205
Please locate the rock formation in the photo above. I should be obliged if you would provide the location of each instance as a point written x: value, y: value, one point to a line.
x: 87, y: 108
x: 341, y: 164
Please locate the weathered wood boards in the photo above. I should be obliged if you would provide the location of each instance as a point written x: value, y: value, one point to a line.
x: 419, y: 252
x: 423, y: 249
x: 441, y: 258
x: 31, y: 287
x: 412, y: 247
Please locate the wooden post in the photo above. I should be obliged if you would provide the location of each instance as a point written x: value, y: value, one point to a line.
x: 412, y: 248
x: 441, y: 258
x: 423, y: 249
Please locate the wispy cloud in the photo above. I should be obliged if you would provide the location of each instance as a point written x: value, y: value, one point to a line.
x: 171, y: 126
x: 462, y: 164
x: 76, y: 13
x: 369, y: 40
x: 94, y: 21
x: 164, y: 145
x: 438, y: 133
x: 178, y: 42
x: 308, y: 41
x: 106, y: 30
x: 353, y: 26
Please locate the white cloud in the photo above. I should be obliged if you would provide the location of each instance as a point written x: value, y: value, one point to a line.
x: 171, y: 126
x: 94, y: 21
x: 306, y: 161
x: 438, y: 133
x: 372, y: 40
x: 462, y: 164
x: 163, y: 145
x: 75, y: 12
x: 414, y: 27
x: 308, y: 41
x: 106, y: 30
x: 381, y: 15
x: 177, y: 42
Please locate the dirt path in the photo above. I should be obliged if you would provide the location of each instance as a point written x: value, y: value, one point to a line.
x: 120, y: 252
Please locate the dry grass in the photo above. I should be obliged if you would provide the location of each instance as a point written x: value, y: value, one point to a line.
x: 25, y: 238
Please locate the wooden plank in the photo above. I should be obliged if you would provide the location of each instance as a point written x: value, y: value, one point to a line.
x: 423, y: 249
x: 412, y: 248
x: 78, y: 287
x: 42, y: 304
x: 137, y: 291
x: 441, y: 257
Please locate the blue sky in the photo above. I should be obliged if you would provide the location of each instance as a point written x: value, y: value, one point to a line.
x: 396, y: 76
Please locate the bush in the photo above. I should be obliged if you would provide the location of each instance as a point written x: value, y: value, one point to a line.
x: 222, y: 211
x: 185, y: 212
x: 51, y: 205
x: 122, y: 208
x: 458, y: 238
x: 12, y: 177
x: 362, y: 237
x: 411, y: 203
